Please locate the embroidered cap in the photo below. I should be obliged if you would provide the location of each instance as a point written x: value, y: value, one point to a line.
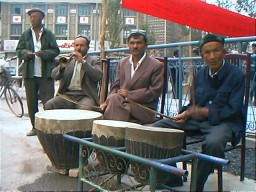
x: 210, y: 38
x: 138, y: 32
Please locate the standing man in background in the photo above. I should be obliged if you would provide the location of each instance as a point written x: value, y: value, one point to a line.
x: 253, y: 75
x: 174, y: 75
x: 37, y: 47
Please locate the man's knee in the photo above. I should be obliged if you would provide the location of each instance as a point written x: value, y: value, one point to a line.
x: 161, y: 123
x: 86, y: 103
x: 114, y: 100
x: 48, y: 105
x: 214, y: 147
x: 113, y: 97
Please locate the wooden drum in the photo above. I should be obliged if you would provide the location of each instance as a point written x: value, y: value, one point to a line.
x: 52, y: 124
x: 153, y: 143
x: 111, y: 133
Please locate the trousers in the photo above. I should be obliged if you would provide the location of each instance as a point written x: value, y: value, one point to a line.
x: 215, y: 140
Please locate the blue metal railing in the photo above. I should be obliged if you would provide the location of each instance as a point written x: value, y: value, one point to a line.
x: 87, y: 145
x: 176, y: 91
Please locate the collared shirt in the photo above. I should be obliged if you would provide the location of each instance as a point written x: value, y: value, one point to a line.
x: 223, y: 63
x: 37, y: 47
x: 75, y: 83
x: 138, y: 64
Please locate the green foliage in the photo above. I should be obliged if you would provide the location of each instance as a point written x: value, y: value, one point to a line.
x: 245, y: 6
x: 151, y: 36
x: 225, y: 4
x: 114, y: 23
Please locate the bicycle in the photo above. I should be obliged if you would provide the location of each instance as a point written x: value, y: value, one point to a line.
x: 12, y: 98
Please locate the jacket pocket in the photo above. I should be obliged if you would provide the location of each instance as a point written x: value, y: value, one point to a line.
x: 222, y: 97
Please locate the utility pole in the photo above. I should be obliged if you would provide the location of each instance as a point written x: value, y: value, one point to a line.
x: 96, y: 11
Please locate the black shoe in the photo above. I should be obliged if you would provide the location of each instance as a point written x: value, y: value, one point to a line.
x: 173, y: 181
x: 32, y: 132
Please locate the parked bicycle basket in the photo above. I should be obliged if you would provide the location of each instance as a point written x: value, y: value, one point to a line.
x: 4, y: 76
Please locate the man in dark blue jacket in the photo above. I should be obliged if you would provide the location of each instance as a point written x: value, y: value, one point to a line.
x: 216, y: 109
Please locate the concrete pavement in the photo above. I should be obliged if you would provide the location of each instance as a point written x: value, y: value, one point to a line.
x: 23, y: 162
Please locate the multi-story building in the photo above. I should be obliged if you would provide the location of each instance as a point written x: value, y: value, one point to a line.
x: 68, y: 18
x: 65, y: 18
x: 165, y: 32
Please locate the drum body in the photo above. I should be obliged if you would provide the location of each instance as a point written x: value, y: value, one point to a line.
x: 52, y: 124
x: 152, y: 143
x: 111, y: 133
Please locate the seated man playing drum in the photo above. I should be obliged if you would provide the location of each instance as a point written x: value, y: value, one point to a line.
x: 138, y: 84
x: 216, y: 109
x: 79, y: 75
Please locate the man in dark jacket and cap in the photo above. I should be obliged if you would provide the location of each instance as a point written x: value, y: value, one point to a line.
x: 38, y: 48
x: 216, y: 109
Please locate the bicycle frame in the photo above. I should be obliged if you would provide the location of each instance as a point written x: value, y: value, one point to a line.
x: 12, y: 98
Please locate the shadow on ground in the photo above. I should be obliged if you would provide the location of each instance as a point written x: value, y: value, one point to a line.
x: 51, y: 182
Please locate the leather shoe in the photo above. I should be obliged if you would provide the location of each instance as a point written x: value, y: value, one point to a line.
x: 32, y: 132
x: 171, y: 181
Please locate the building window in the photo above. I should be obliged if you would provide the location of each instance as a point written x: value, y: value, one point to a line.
x: 40, y: 6
x: 16, y: 29
x: 84, y: 30
x: 128, y: 12
x: 84, y: 10
x: 61, y: 27
x: 16, y: 9
x: 61, y: 30
x: 61, y: 10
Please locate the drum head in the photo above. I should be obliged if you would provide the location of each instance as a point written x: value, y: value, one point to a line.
x: 65, y: 120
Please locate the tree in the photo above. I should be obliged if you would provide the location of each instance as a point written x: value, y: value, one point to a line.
x: 103, y: 29
x: 150, y: 34
x: 241, y: 6
x: 114, y: 23
x: 226, y: 4
x: 248, y: 6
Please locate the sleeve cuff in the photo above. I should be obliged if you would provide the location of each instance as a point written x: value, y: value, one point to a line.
x: 213, y: 116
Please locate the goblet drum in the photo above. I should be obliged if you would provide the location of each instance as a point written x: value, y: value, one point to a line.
x: 112, y: 134
x: 153, y: 143
x: 52, y: 124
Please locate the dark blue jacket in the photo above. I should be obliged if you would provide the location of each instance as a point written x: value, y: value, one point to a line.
x: 223, y: 95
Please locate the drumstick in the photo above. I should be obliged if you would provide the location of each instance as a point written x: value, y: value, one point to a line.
x: 153, y: 111
x: 75, y: 102
x: 192, y: 89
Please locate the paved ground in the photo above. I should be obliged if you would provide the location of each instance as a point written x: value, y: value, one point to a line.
x: 23, y: 162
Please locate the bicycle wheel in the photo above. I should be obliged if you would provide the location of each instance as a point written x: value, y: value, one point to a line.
x: 14, y: 102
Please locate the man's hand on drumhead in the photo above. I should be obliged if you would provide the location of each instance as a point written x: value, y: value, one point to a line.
x: 103, y: 106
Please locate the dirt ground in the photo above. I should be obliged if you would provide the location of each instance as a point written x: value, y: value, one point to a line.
x: 23, y: 161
